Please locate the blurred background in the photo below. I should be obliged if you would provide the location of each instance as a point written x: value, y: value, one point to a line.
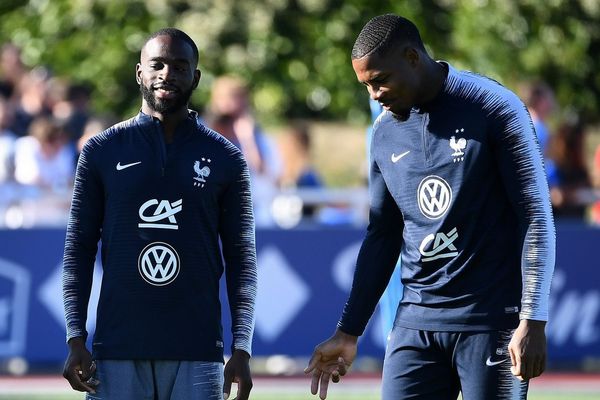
x: 278, y: 82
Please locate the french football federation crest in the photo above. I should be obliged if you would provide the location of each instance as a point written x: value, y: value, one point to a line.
x: 458, y: 146
x: 202, y: 172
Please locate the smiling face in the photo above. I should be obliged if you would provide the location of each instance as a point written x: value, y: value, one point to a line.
x: 167, y: 75
x: 393, y: 79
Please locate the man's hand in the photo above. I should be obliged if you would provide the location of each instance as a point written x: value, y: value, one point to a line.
x: 79, y: 367
x: 331, y: 359
x: 527, y: 349
x: 237, y: 370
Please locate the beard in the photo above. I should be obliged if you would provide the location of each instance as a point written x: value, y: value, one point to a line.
x: 165, y: 106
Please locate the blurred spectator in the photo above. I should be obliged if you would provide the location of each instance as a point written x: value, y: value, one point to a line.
x: 32, y: 101
x: 7, y: 140
x: 45, y: 158
x: 539, y: 99
x: 567, y: 170
x: 595, y: 209
x: 298, y: 171
x: 230, y: 114
x: 12, y: 70
x: 72, y: 107
x: 93, y: 126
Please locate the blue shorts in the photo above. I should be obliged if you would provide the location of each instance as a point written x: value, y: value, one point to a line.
x: 158, y: 380
x: 438, y: 365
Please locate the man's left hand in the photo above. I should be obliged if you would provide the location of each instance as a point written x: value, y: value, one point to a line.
x: 527, y: 349
x: 237, y: 370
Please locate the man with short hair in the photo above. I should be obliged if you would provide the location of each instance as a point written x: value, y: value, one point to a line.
x: 458, y: 189
x: 162, y: 192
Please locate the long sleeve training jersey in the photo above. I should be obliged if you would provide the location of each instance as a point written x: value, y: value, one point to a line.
x: 459, y: 190
x: 171, y: 219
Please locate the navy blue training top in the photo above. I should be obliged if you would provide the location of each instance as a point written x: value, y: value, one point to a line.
x: 161, y: 213
x: 458, y: 189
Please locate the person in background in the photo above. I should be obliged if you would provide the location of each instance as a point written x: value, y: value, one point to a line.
x: 73, y: 107
x: 594, y: 216
x: 45, y: 158
x: 7, y: 142
x: 539, y: 99
x: 32, y: 101
x: 567, y: 172
x: 298, y: 171
x: 230, y: 114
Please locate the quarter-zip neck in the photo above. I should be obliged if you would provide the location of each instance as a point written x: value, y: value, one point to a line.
x: 162, y: 145
x: 425, y: 137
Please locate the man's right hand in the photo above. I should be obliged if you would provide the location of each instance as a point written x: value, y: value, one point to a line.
x: 331, y: 359
x: 79, y: 367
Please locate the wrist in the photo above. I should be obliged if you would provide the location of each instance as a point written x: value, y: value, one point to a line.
x: 241, y: 353
x: 76, y: 342
x: 532, y: 324
x: 340, y: 334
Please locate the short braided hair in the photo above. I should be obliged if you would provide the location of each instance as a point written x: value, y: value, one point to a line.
x: 381, y: 33
x: 177, y: 34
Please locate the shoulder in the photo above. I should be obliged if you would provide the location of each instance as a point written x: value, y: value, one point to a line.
x: 481, y: 90
x: 219, y: 142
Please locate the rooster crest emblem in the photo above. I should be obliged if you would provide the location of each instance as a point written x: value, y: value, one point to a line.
x: 201, y: 172
x: 458, y: 146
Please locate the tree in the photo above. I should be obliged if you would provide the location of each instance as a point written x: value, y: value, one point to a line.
x: 295, y: 53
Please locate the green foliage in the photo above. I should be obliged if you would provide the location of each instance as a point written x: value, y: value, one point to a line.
x: 295, y: 53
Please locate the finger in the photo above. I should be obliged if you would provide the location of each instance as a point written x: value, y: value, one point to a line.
x: 528, y: 368
x: 335, y: 377
x: 75, y: 381
x: 342, y: 368
x: 314, y: 385
x: 515, y: 360
x: 244, y: 387
x: 227, y: 385
x: 314, y: 360
x: 88, y: 370
x: 324, y: 386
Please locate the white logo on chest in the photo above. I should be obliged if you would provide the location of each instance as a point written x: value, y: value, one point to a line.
x: 158, y: 264
x: 443, y: 246
x: 458, y: 146
x: 163, y: 211
x: 202, y: 172
x: 434, y: 196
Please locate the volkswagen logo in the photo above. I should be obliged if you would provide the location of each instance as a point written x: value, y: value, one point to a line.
x: 434, y: 197
x: 159, y: 264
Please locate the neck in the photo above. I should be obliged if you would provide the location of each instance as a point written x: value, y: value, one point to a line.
x: 435, y: 74
x: 168, y: 121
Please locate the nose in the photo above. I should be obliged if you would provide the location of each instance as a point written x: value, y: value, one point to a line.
x: 375, y: 92
x: 166, y: 73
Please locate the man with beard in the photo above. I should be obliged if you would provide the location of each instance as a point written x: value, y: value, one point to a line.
x: 161, y: 191
x: 458, y: 189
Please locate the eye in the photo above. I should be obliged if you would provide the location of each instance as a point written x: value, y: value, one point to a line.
x: 156, y: 66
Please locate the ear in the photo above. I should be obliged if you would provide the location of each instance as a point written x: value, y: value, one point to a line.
x: 412, y: 56
x: 197, y: 75
x: 138, y: 73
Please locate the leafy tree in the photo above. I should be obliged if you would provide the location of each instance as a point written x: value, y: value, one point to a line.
x: 295, y: 53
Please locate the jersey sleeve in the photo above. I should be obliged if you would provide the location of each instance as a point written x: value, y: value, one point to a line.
x: 521, y: 167
x: 239, y: 251
x: 81, y: 243
x: 377, y: 256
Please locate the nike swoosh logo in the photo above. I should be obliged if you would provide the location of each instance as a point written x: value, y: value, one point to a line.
x: 396, y: 158
x: 121, y: 167
x: 491, y: 363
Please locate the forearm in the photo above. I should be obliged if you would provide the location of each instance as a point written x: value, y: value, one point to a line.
x: 376, y: 262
